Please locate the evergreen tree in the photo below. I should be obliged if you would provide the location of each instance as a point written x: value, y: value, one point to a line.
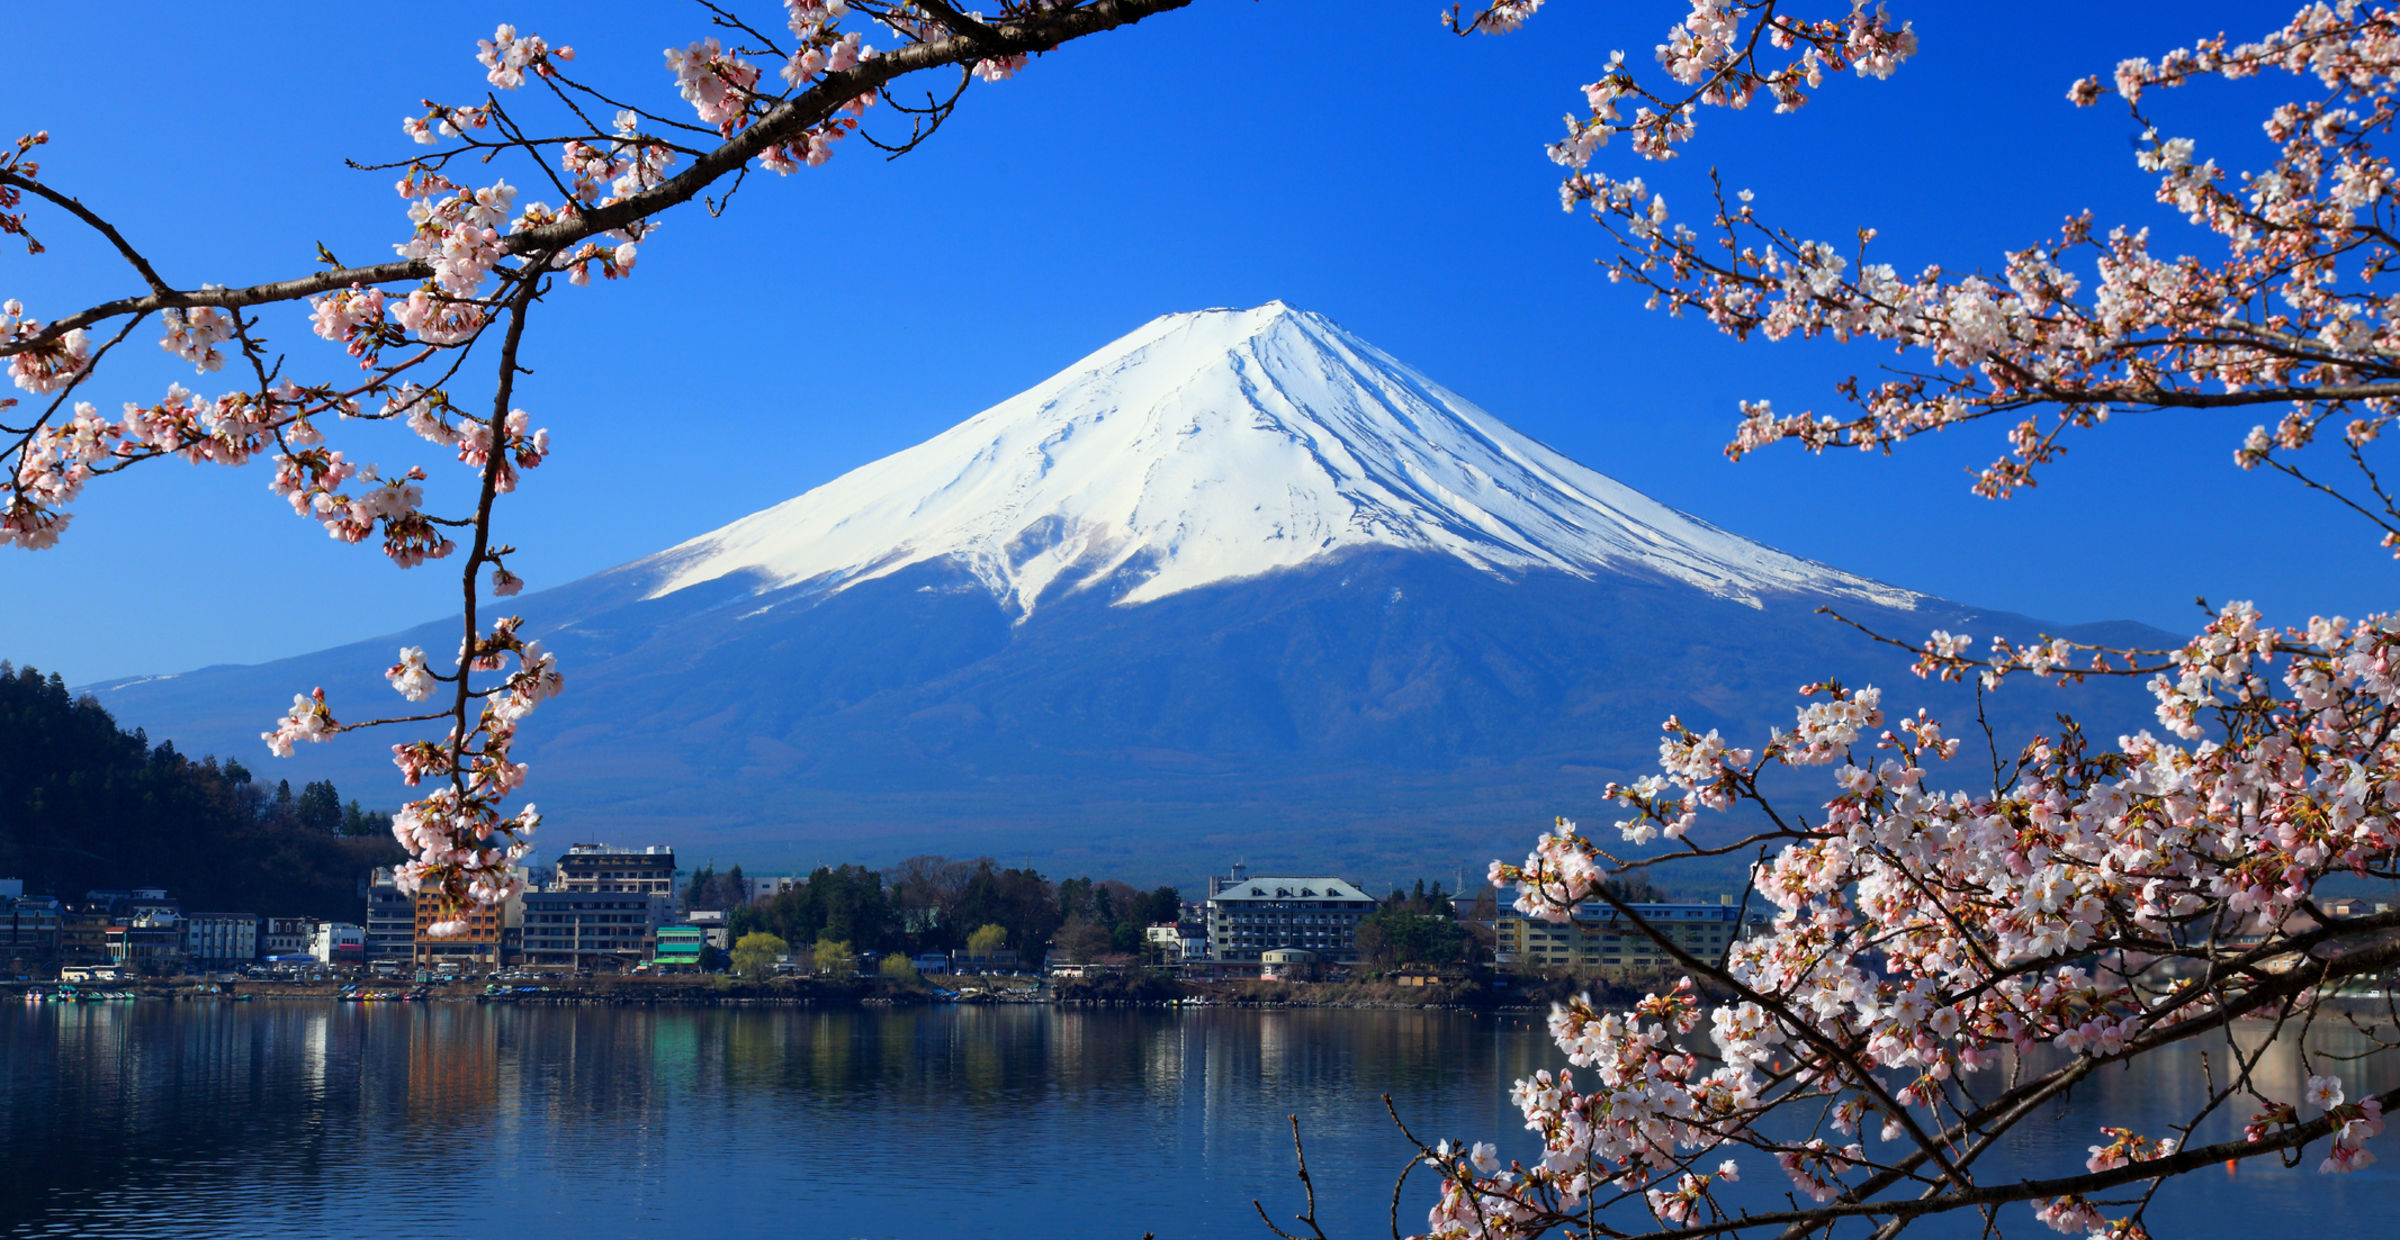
x: 85, y: 804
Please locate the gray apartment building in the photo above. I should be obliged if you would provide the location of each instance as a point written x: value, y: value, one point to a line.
x: 591, y: 929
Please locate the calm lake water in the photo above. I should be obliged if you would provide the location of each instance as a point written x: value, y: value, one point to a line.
x: 295, y: 1119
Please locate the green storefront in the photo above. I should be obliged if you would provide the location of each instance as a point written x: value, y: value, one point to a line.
x: 680, y: 946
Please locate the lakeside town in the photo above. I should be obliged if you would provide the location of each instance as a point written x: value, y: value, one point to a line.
x: 603, y: 912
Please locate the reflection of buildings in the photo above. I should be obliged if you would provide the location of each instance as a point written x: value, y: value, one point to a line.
x: 453, y: 1060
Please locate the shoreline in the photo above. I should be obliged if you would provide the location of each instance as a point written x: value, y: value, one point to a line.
x: 717, y: 991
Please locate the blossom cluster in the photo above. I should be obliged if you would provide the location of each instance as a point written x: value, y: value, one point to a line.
x: 1713, y: 57
x: 2081, y: 325
x: 474, y: 257
x: 1921, y: 936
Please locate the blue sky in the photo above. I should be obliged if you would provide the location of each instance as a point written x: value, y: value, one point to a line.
x: 1347, y: 156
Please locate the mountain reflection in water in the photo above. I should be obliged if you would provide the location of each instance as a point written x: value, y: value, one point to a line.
x: 302, y: 1120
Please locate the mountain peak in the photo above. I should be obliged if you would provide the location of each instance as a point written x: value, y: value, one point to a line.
x: 1221, y: 444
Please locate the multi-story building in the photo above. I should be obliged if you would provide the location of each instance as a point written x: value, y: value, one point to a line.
x: 679, y: 947
x: 29, y: 926
x: 83, y: 934
x: 715, y: 924
x: 220, y: 940
x: 1598, y: 942
x: 1248, y: 916
x: 146, y: 937
x: 591, y: 929
x: 634, y: 871
x: 285, y: 936
x: 477, y: 946
x: 338, y: 943
x: 768, y: 886
x: 391, y: 921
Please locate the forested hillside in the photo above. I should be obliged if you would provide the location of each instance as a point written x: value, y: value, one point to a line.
x: 85, y: 804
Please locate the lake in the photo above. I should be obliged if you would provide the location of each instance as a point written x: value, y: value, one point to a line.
x: 306, y: 1119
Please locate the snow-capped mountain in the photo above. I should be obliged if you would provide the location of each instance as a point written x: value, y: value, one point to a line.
x: 1238, y: 584
x: 1221, y: 445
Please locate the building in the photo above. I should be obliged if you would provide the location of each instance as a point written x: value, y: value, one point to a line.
x: 1175, y: 942
x: 83, y: 934
x: 338, y: 943
x: 634, y: 871
x: 1002, y: 960
x: 1598, y: 942
x: 147, y: 937
x: 716, y: 923
x: 1165, y: 941
x: 679, y: 947
x: 1250, y: 916
x: 285, y: 936
x: 767, y: 887
x: 1287, y: 964
x: 29, y: 925
x: 220, y: 940
x: 478, y: 946
x: 592, y: 929
x: 391, y: 921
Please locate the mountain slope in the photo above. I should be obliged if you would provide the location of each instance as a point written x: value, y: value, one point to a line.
x: 1238, y: 584
x: 1224, y: 444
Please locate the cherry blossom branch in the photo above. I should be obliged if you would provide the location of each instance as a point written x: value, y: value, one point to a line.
x: 71, y: 206
x: 464, y: 240
x: 823, y: 98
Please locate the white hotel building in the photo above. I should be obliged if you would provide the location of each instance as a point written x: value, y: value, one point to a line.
x: 1247, y: 916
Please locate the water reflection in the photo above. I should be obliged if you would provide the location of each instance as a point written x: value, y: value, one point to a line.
x: 287, y: 1120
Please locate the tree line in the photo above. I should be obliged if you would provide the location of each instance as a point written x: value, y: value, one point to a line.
x: 932, y: 903
x: 85, y: 805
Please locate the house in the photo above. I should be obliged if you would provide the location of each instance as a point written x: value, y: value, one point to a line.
x: 1288, y: 964
x: 1002, y: 960
x: 285, y: 936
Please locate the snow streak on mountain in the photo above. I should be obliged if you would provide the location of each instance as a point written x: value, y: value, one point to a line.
x: 1221, y: 445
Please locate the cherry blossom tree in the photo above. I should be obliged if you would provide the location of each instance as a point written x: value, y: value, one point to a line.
x: 473, y: 261
x: 1951, y: 956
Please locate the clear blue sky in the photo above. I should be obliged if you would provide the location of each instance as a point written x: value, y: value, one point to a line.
x: 1345, y: 155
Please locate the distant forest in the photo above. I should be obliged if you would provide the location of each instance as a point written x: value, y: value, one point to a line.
x: 933, y: 903
x: 85, y: 805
